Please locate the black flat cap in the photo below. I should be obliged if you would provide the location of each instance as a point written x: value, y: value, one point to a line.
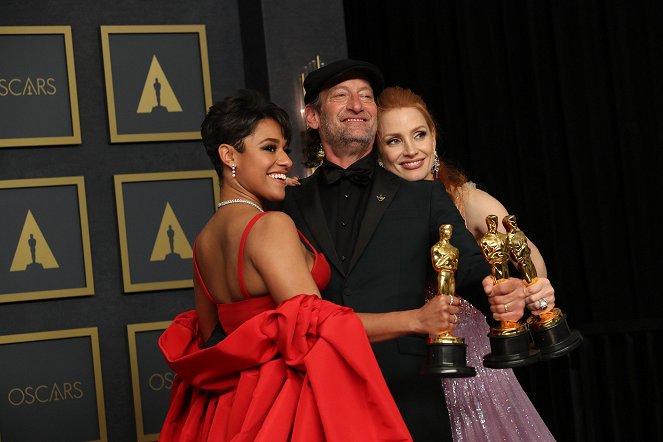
x: 335, y: 72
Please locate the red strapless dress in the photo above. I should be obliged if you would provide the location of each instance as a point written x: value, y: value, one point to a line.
x: 300, y: 371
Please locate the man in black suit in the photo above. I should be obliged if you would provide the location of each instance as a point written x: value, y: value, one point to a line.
x: 376, y: 231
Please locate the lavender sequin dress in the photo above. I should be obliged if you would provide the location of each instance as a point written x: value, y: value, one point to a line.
x: 492, y: 406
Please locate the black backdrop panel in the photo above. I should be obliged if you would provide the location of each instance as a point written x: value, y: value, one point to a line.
x: 555, y: 109
x: 51, y: 387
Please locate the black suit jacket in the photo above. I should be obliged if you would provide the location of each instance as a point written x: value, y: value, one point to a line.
x: 389, y: 271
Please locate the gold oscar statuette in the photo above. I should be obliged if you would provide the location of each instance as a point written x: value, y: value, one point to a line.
x: 509, y: 340
x: 550, y: 331
x: 446, y: 353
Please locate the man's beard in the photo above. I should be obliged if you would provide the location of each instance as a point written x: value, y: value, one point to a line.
x: 343, y: 143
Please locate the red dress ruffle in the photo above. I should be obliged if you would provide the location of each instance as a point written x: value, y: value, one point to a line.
x: 303, y: 371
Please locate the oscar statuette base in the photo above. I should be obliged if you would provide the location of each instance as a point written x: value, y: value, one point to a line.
x: 552, y: 335
x: 447, y: 359
x: 510, y: 350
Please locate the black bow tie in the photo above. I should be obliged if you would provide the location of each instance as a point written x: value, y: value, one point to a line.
x: 357, y: 174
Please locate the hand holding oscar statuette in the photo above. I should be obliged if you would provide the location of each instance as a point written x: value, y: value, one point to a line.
x: 446, y: 353
x: 509, y: 340
x: 550, y: 331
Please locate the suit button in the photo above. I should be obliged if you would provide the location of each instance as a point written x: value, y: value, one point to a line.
x: 347, y: 292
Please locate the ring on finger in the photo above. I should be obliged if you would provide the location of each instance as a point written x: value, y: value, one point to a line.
x: 451, y: 299
x: 543, y: 304
x: 455, y: 319
x: 506, y: 309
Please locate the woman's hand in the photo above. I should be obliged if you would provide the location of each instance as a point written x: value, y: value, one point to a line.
x: 540, y: 296
x: 292, y: 181
x: 437, y: 315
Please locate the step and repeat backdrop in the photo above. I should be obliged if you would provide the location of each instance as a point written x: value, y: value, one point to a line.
x: 157, y: 88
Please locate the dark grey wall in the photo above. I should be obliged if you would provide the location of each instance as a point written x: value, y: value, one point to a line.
x: 295, y: 32
x: 97, y: 160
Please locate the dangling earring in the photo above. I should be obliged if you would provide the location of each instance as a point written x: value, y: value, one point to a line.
x: 320, y: 155
x: 436, y: 164
x: 233, y: 170
x: 380, y: 163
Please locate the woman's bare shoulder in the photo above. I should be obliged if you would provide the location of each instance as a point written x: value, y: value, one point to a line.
x: 478, y: 205
x: 274, y: 228
x: 481, y: 200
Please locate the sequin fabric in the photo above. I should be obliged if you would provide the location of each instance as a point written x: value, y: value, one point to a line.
x: 492, y: 406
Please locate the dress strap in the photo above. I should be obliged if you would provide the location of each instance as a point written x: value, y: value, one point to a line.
x: 240, y: 258
x: 198, y: 275
x: 307, y: 242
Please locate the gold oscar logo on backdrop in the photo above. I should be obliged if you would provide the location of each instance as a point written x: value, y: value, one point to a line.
x: 32, y: 250
x: 42, y: 393
x: 171, y: 242
x: 19, y: 87
x: 158, y: 95
x: 160, y: 381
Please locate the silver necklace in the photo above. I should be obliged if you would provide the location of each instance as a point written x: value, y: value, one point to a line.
x: 239, y: 200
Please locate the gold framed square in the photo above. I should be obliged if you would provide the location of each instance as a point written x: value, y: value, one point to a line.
x: 157, y: 81
x: 159, y: 215
x: 30, y: 387
x: 45, y: 246
x: 37, y: 64
x: 159, y: 382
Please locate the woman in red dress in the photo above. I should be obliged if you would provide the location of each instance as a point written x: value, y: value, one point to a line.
x: 263, y: 357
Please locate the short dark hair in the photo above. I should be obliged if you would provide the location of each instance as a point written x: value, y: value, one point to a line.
x: 236, y: 117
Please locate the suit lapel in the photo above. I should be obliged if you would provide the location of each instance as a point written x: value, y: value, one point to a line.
x: 382, y: 192
x: 308, y: 201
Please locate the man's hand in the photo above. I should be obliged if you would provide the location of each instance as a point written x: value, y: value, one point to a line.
x: 507, y: 299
